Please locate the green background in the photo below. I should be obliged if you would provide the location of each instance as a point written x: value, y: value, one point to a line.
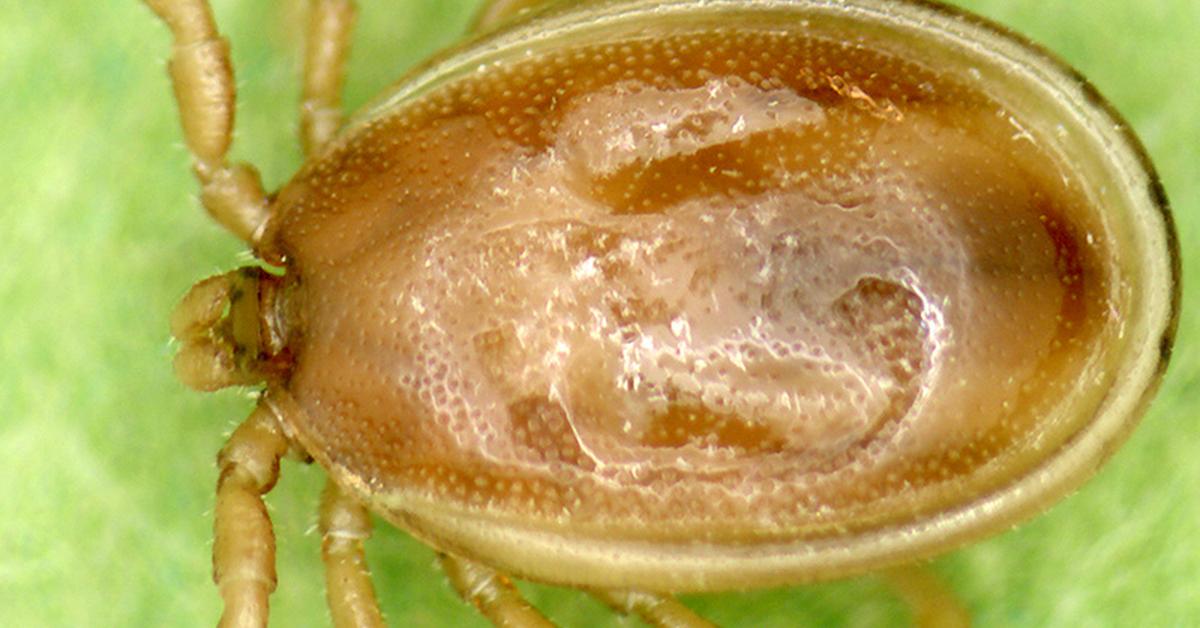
x: 106, y: 462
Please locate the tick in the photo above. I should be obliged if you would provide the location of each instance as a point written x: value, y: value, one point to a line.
x: 650, y: 297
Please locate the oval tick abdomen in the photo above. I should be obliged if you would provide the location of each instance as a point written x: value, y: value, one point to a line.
x: 692, y: 283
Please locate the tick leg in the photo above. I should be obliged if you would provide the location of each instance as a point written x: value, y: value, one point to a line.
x: 244, y: 545
x: 663, y: 611
x: 494, y: 12
x: 933, y: 604
x: 344, y: 525
x: 329, y: 26
x: 203, y: 81
x: 492, y: 593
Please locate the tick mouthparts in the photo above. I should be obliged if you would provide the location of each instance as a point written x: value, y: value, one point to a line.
x: 221, y: 331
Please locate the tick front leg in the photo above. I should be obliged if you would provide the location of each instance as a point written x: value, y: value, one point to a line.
x: 492, y: 593
x: 655, y: 609
x: 330, y: 23
x: 204, y: 90
x: 344, y: 525
x: 244, y: 544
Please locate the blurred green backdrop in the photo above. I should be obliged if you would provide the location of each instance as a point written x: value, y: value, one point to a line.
x: 108, y: 470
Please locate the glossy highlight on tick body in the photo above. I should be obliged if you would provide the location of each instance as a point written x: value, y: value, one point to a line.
x: 660, y: 297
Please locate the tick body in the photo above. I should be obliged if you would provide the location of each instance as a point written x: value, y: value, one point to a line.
x: 657, y: 297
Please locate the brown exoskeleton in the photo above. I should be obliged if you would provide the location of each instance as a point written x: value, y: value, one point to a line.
x: 647, y: 297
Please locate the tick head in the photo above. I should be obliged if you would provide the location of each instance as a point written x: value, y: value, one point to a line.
x: 228, y: 330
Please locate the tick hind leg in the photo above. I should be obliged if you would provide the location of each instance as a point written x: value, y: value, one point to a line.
x: 663, y: 611
x: 327, y: 45
x: 494, y: 12
x: 492, y: 593
x: 933, y: 604
x: 204, y: 90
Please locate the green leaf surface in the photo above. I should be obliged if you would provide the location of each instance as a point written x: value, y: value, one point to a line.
x: 108, y: 473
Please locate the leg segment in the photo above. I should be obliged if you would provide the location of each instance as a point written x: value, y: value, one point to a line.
x: 244, y: 544
x: 492, y: 593
x: 344, y: 525
x: 329, y: 26
x: 933, y: 604
x: 203, y: 80
x: 495, y: 12
x: 662, y: 611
